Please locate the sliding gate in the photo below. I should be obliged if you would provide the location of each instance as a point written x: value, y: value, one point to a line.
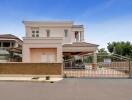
x: 110, y: 67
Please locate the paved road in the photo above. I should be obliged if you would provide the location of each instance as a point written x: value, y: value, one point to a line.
x: 68, y: 89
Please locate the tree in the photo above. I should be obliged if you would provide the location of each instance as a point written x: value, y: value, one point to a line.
x: 102, y: 51
x: 120, y: 48
x: 102, y: 54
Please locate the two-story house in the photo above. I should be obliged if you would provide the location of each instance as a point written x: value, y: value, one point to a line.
x: 51, y: 42
x: 10, y: 48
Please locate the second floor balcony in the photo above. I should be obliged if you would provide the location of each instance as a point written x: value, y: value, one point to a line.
x: 4, y: 51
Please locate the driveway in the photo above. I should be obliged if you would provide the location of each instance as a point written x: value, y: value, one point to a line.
x: 68, y: 89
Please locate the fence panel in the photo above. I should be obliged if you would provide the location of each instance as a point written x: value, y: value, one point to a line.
x: 101, y: 70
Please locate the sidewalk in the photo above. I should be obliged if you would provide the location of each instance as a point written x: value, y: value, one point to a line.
x: 37, y: 79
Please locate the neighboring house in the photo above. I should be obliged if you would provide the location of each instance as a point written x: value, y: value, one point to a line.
x: 52, y: 42
x: 10, y: 48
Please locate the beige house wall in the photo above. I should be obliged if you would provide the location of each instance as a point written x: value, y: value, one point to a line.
x: 52, y: 43
x: 56, y: 30
x: 33, y: 47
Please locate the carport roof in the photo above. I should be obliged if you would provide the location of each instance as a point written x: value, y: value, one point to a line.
x: 80, y: 44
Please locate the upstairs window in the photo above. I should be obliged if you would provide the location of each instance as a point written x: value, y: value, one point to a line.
x: 48, y: 33
x: 6, y: 44
x: 35, y: 31
x: 66, y: 33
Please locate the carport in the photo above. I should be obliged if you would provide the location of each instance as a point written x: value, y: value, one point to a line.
x: 78, y: 50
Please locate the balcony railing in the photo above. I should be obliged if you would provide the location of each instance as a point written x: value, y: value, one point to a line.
x: 3, y: 50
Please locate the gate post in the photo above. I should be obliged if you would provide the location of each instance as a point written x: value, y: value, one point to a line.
x: 130, y: 69
x: 94, y: 65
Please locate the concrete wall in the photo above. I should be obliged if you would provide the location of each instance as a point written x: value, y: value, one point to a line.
x: 30, y: 69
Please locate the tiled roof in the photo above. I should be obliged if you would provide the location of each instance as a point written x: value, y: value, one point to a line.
x: 9, y: 36
x: 77, y: 26
x: 48, y: 22
x: 80, y: 44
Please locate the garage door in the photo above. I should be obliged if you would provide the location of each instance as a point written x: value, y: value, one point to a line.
x: 48, y: 58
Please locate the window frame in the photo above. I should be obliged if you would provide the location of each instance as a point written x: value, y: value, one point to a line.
x: 7, y: 44
x: 66, y: 33
x: 35, y: 31
x: 48, y: 33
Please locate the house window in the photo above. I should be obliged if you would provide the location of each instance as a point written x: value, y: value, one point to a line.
x: 33, y: 34
x: 37, y: 35
x: 66, y: 33
x: 48, y: 33
x: 6, y: 44
x: 35, y: 31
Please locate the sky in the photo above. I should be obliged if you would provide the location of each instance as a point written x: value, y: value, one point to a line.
x: 104, y: 20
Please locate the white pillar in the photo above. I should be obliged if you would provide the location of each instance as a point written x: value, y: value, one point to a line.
x: 82, y: 58
x: 1, y: 44
x: 80, y: 36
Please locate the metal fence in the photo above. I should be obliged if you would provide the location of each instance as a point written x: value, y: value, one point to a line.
x: 113, y: 69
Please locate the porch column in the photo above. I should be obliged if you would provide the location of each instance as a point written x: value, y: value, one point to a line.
x: 79, y: 36
x: 82, y: 36
x: 82, y: 57
x: 1, y: 44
